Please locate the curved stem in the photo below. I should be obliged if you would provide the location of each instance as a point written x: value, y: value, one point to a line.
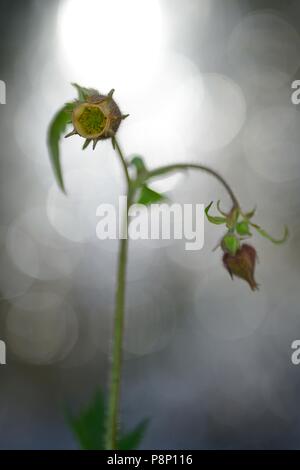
x: 118, y: 333
x: 194, y: 166
x: 111, y: 442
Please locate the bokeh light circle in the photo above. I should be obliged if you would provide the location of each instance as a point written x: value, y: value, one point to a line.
x: 265, y: 50
x: 271, y: 141
x: 41, y: 328
x: 37, y: 250
x: 220, y: 115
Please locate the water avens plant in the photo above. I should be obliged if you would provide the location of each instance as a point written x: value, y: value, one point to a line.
x: 95, y: 117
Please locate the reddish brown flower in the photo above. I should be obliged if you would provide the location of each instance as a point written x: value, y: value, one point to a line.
x: 242, y: 264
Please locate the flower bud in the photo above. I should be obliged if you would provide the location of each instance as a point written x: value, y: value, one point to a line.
x: 96, y: 118
x: 230, y: 243
x: 242, y: 264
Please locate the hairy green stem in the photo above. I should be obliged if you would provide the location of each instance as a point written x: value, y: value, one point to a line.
x: 112, y: 424
x: 123, y: 162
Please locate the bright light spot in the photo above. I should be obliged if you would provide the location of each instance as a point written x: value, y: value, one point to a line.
x: 190, y: 112
x: 222, y: 113
x: 163, y: 125
x: 167, y: 183
x: 114, y: 43
x: 37, y: 250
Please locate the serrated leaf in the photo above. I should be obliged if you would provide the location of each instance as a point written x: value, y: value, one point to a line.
x: 56, y: 130
x: 263, y: 233
x: 214, y: 219
x: 89, y: 426
x: 132, y: 440
x: 148, y: 196
x: 242, y: 228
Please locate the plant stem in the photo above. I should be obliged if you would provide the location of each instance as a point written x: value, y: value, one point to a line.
x: 112, y: 424
x: 118, y: 333
x: 194, y: 166
x: 115, y: 384
x: 123, y: 162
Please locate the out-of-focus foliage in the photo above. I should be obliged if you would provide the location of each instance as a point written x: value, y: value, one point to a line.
x: 89, y: 427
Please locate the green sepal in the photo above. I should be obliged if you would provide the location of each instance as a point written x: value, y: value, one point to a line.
x: 250, y: 214
x: 242, y: 228
x: 214, y: 219
x: 84, y: 93
x: 220, y: 210
x: 86, y: 143
x: 230, y: 244
x: 263, y: 233
x: 232, y: 218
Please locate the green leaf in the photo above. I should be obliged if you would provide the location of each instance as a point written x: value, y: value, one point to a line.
x: 84, y: 93
x: 214, y: 220
x: 148, y: 196
x: 263, y: 233
x: 132, y: 440
x: 242, y: 228
x: 56, y: 129
x: 70, y: 106
x: 139, y: 164
x: 89, y: 426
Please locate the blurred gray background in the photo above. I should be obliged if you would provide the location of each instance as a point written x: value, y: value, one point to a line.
x: 207, y: 360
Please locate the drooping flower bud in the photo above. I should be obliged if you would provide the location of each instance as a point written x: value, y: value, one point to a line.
x: 242, y: 264
x: 230, y: 243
